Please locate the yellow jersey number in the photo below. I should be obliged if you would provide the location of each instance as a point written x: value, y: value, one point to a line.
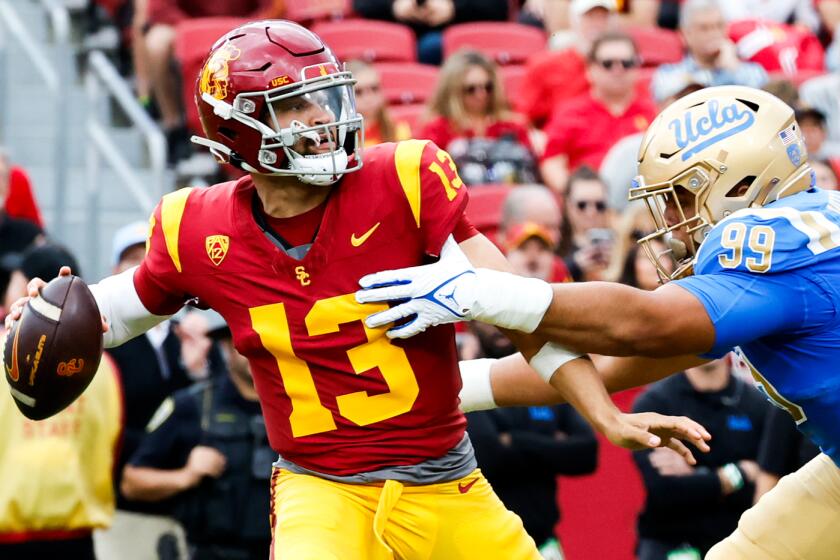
x: 308, y: 415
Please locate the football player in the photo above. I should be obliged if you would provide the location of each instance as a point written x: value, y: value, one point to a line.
x: 374, y: 460
x: 756, y: 253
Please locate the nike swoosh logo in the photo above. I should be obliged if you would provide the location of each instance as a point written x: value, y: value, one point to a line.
x: 13, y: 373
x: 464, y: 488
x: 358, y: 241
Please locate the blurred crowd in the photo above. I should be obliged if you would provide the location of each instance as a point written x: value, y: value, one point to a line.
x: 546, y: 142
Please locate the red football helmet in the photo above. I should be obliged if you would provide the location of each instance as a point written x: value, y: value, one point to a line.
x: 273, y: 99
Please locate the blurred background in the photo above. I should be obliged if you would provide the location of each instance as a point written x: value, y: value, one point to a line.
x: 542, y: 105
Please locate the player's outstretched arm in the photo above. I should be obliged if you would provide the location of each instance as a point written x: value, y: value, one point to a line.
x: 598, y: 317
x: 511, y: 381
x: 575, y: 378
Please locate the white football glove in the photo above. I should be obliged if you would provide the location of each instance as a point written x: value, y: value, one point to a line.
x: 452, y: 290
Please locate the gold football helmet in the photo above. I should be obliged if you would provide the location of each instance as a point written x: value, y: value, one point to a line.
x: 709, y: 154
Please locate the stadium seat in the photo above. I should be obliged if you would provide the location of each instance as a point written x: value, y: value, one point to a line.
x: 504, y: 42
x: 368, y: 40
x: 411, y: 115
x: 405, y: 83
x: 512, y: 77
x: 656, y: 45
x: 193, y: 39
x: 314, y: 10
x: 484, y: 208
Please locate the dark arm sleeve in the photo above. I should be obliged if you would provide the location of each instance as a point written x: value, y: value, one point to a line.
x: 575, y: 454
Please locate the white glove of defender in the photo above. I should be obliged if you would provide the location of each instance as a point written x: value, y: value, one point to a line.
x: 452, y: 290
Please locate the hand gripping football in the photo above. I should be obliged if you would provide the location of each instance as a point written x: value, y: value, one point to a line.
x: 52, y: 352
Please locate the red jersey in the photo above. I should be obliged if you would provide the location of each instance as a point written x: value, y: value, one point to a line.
x: 338, y: 398
x: 584, y: 130
x: 777, y: 47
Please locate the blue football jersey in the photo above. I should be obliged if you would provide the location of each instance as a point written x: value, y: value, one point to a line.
x: 769, y: 279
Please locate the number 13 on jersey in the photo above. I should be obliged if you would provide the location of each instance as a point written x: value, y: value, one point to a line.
x: 309, y: 416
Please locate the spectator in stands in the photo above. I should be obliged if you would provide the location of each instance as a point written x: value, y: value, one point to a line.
x: 784, y: 89
x: 801, y: 12
x: 206, y: 448
x: 531, y: 213
x: 151, y: 366
x: 428, y: 18
x: 57, y: 473
x: 582, y: 130
x: 16, y: 234
x: 783, y: 450
x: 161, y: 20
x: 468, y: 116
x: 522, y: 451
x: 823, y: 94
x: 634, y: 223
x: 638, y: 270
x: 711, y: 58
x: 16, y: 192
x: 689, y: 508
x: 825, y: 173
x: 829, y: 12
x: 370, y: 103
x: 620, y: 166
x: 812, y: 125
x: 559, y: 74
x: 587, y: 239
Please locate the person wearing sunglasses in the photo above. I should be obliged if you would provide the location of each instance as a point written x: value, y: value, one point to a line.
x: 372, y: 105
x: 582, y: 130
x: 469, y: 103
x: 587, y: 237
x: 711, y: 59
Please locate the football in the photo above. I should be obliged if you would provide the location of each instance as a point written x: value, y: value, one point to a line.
x: 52, y: 352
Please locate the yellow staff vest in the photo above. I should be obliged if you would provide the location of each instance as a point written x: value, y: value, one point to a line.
x: 57, y: 474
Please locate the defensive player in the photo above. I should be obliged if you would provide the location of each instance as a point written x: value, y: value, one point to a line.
x: 374, y: 461
x: 725, y: 175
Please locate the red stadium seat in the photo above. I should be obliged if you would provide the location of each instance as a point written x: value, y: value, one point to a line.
x: 484, y: 209
x: 656, y: 45
x: 368, y: 40
x: 404, y: 83
x: 512, y: 77
x: 193, y: 39
x: 505, y: 42
x: 314, y: 10
x: 411, y: 116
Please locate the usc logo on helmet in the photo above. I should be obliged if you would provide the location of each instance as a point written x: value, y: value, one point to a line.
x: 214, y: 76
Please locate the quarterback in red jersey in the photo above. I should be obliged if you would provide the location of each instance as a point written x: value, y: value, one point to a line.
x: 374, y: 461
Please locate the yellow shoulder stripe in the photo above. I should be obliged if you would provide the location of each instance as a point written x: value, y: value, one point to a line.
x: 171, y: 213
x: 407, y: 158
